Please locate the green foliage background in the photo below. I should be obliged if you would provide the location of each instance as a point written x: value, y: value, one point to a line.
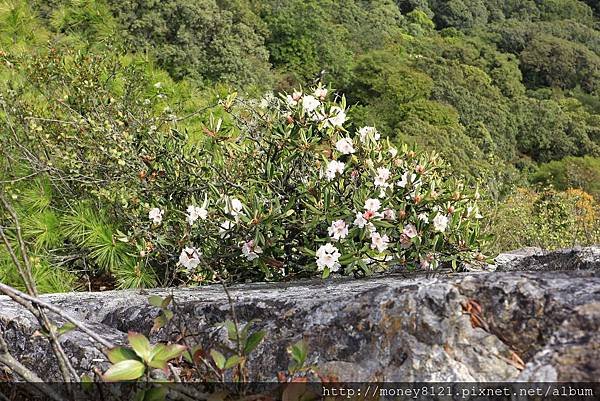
x: 506, y: 91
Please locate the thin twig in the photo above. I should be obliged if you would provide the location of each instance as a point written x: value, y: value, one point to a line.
x: 7, y: 359
x: 17, y: 296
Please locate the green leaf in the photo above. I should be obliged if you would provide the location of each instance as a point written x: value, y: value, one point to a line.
x: 218, y: 358
x: 124, y: 370
x: 140, y: 345
x: 87, y: 382
x: 166, y: 302
x: 156, y: 394
x: 155, y: 300
x: 232, y: 361
x: 299, y: 352
x: 161, y: 355
x: 253, y: 341
x: 326, y: 273
x: 119, y: 354
x: 231, y: 330
x: 159, y: 322
x: 65, y: 328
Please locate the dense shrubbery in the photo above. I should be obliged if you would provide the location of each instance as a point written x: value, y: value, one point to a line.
x: 116, y: 108
x: 281, y: 187
x: 548, y: 219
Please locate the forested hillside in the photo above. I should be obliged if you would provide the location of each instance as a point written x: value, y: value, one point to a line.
x: 506, y: 90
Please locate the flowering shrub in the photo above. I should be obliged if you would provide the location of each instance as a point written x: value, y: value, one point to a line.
x: 239, y: 190
x: 300, y: 191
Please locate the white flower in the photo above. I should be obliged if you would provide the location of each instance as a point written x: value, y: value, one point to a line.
x: 339, y: 119
x: 309, y: 103
x: 389, y: 214
x: 383, y: 174
x: 189, y: 258
x: 471, y: 209
x: 291, y: 101
x: 338, y: 229
x: 224, y: 227
x: 194, y: 213
x: 250, y: 250
x: 327, y: 256
x: 393, y: 151
x: 233, y: 207
x: 372, y: 204
x: 371, y: 229
x: 158, y: 85
x: 320, y: 92
x: 360, y: 221
x: 423, y: 217
x: 405, y: 179
x: 410, y: 231
x: 345, y: 146
x: 440, y: 222
x: 334, y: 167
x: 364, y: 132
x: 156, y: 215
x: 379, y: 242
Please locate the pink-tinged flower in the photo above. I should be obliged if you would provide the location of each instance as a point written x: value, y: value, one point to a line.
x: 327, y: 256
x: 410, y: 231
x: 250, y: 250
x: 425, y: 262
x: 338, y: 230
x: 320, y: 93
x: 360, y: 220
x: 383, y: 174
x: 345, y: 146
x: 379, y: 242
x: 389, y: 214
x: 156, y: 215
x: 372, y: 204
x: 189, y: 258
x: 405, y: 241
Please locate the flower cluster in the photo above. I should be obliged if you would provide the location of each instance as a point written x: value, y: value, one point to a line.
x: 302, y: 190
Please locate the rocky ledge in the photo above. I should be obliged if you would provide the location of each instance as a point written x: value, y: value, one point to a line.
x: 537, y: 318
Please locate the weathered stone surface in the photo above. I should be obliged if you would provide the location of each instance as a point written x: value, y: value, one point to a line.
x: 382, y: 328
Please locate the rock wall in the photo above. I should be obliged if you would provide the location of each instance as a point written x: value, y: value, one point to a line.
x: 542, y: 309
